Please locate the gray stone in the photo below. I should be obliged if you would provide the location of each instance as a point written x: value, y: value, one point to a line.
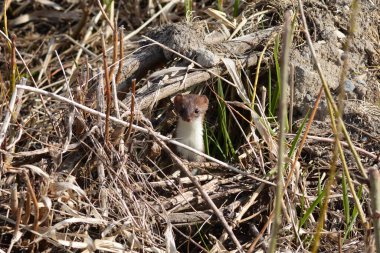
x: 349, y: 86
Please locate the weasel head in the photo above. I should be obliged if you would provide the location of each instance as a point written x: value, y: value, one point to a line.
x: 191, y: 106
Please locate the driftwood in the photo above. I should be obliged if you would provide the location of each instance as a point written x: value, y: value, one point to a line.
x: 191, y: 42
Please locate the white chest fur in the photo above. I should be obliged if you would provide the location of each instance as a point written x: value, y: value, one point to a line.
x: 191, y: 134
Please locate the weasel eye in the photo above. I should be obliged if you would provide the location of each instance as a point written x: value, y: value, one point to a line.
x: 196, y: 110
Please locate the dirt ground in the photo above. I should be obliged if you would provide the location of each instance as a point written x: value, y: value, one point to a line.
x: 329, y: 25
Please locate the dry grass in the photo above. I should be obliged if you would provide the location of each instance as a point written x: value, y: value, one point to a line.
x: 82, y: 169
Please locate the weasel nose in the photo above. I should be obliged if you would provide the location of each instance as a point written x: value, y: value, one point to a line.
x: 187, y: 118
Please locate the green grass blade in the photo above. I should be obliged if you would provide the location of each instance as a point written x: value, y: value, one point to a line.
x: 236, y: 8
x: 354, y: 215
x: 222, y: 117
x: 278, y: 75
x: 346, y: 202
x: 220, y: 5
x: 315, y: 203
x: 188, y: 9
x: 270, y: 104
x: 298, y: 135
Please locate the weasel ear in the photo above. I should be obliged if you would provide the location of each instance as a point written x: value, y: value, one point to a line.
x: 204, y: 100
x: 178, y: 99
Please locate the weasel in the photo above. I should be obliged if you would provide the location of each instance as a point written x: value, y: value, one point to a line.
x: 191, y: 109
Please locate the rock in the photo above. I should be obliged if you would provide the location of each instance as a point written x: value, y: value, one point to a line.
x: 349, y: 86
x: 339, y: 34
x: 207, y: 58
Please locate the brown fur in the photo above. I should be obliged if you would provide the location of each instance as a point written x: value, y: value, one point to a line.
x: 190, y: 106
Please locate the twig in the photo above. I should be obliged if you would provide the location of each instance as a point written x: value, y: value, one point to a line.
x: 344, y: 144
x: 114, y: 96
x: 287, y: 41
x: 107, y: 85
x: 291, y: 102
x: 8, y: 116
x: 14, y: 199
x: 260, y: 235
x: 374, y: 179
x: 28, y: 209
x: 105, y: 16
x: 119, y: 130
x: 3, y: 12
x: 35, y: 203
x: 81, y: 46
x: 100, y: 97
x: 13, y: 64
x: 16, y: 231
x: 49, y: 54
x: 263, y: 98
x: 115, y: 40
x: 132, y: 111
x: 121, y: 54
